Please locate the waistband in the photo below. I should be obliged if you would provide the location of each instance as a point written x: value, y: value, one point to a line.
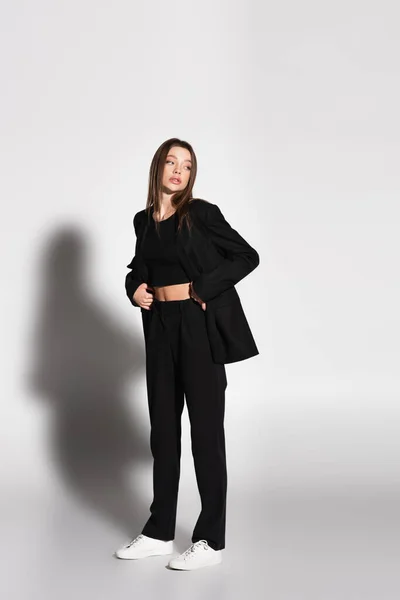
x: 170, y: 307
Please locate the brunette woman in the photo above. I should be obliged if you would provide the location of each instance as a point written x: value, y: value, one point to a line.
x: 187, y: 261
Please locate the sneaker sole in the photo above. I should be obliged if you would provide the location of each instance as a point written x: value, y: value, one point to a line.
x: 188, y: 568
x: 157, y: 553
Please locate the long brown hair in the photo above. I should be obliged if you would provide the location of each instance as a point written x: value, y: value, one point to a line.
x: 180, y: 199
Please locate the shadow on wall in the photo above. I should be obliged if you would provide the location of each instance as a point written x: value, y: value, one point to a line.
x: 82, y: 361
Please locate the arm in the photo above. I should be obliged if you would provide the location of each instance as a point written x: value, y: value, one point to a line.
x: 240, y: 259
x: 133, y: 280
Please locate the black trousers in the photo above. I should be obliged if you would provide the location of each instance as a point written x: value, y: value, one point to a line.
x: 179, y: 364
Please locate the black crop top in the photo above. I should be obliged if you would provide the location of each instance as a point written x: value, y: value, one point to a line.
x: 160, y: 254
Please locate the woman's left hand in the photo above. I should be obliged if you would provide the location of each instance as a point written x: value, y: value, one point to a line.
x: 195, y: 296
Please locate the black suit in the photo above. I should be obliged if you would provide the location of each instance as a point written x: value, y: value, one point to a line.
x: 186, y: 349
x: 215, y: 257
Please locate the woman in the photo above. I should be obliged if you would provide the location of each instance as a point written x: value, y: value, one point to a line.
x: 187, y: 261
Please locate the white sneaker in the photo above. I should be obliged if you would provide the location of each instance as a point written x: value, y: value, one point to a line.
x: 198, y: 555
x: 143, y: 546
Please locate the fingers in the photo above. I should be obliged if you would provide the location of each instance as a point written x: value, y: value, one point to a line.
x: 148, y: 298
x: 146, y: 305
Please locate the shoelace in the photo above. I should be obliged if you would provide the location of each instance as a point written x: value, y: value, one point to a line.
x: 189, y: 553
x: 134, y: 541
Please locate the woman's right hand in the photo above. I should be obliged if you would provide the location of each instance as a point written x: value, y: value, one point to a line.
x: 142, y: 297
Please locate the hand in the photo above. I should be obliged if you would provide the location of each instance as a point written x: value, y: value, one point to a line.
x: 142, y: 297
x: 195, y: 296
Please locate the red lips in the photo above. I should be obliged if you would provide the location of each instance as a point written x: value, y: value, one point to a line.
x: 176, y: 179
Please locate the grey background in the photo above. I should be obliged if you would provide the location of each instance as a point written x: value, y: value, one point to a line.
x: 292, y: 109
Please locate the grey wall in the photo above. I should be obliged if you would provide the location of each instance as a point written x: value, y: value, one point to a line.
x: 292, y: 109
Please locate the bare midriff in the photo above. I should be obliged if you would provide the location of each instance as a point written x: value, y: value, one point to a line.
x: 166, y: 293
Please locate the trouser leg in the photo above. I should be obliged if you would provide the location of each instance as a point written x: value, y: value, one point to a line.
x: 204, y: 384
x: 165, y: 402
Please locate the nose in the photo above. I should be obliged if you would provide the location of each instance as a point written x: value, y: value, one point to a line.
x: 177, y: 170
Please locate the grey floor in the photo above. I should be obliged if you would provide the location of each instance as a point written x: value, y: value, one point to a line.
x: 281, y: 544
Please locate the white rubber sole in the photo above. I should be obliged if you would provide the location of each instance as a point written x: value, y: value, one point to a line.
x: 188, y: 567
x: 156, y: 552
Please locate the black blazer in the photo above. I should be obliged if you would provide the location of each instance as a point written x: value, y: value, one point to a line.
x: 215, y: 257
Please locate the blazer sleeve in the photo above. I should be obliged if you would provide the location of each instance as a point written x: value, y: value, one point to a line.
x: 240, y: 258
x: 133, y: 279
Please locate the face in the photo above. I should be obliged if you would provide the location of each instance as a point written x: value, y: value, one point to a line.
x: 177, y: 169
